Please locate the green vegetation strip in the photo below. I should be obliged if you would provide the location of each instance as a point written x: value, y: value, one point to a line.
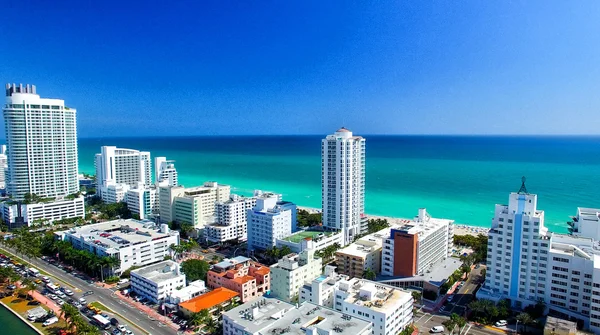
x: 15, y: 257
x: 104, y: 308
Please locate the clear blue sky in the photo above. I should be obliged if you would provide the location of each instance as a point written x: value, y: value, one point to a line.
x: 307, y: 67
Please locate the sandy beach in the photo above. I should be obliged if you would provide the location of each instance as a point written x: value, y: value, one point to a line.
x: 459, y: 229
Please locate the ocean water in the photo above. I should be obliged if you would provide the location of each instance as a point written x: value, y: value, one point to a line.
x: 454, y: 177
x: 12, y: 324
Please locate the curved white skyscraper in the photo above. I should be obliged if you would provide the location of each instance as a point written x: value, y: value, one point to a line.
x: 343, y: 182
x: 41, y: 140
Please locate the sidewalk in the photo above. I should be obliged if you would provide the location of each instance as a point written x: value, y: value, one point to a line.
x: 151, y: 312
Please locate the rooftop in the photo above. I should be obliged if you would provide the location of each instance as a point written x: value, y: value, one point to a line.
x: 436, y: 275
x: 209, y: 300
x: 272, y: 316
x: 374, y: 295
x: 228, y: 263
x: 422, y: 225
x: 366, y: 244
x: 303, y: 235
x: 118, y: 233
x: 159, y: 272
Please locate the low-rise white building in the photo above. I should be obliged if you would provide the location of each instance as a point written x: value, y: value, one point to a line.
x: 132, y: 242
x: 272, y: 316
x: 269, y: 220
x: 113, y: 193
x: 189, y: 292
x: 31, y: 214
x: 321, y: 290
x: 292, y: 271
x: 307, y: 239
x: 157, y: 281
x: 231, y: 222
x: 390, y: 309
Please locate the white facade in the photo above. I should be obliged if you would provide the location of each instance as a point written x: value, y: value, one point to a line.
x: 434, y: 239
x: 189, y: 292
x: 194, y: 205
x: 165, y: 173
x: 142, y: 201
x: 292, y: 271
x: 158, y: 281
x: 321, y: 290
x: 343, y: 182
x: 526, y: 263
x: 269, y: 220
x: 32, y: 214
x: 116, y: 166
x: 41, y: 140
x: 3, y: 167
x: 133, y: 242
x: 271, y: 316
x: 390, y: 309
x: 114, y: 193
x: 316, y: 243
x: 231, y: 222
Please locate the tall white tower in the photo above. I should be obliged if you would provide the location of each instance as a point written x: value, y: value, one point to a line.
x: 343, y: 182
x: 41, y: 140
x: 118, y: 166
x: 165, y: 173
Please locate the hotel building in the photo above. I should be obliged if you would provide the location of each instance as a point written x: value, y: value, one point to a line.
x: 269, y: 220
x: 115, y: 166
x: 3, y: 167
x: 272, y: 316
x: 343, y: 183
x: 165, y: 173
x: 157, y: 281
x: 526, y: 263
x: 131, y: 241
x: 231, y: 220
x: 241, y: 275
x: 142, y: 201
x: 361, y: 255
x: 416, y: 246
x: 292, y: 271
x: 194, y: 205
x: 41, y: 142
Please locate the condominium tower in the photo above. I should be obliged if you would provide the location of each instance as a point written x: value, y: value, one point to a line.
x: 117, y: 166
x: 41, y: 140
x: 343, y: 183
x: 165, y: 173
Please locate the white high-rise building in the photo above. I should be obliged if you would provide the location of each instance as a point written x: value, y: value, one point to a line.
x: 195, y: 205
x: 122, y: 166
x: 142, y: 201
x: 343, y: 183
x: 527, y: 264
x: 41, y: 140
x: 270, y: 220
x: 165, y: 173
x: 3, y: 166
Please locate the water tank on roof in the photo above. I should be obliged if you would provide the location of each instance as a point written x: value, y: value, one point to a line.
x: 164, y: 228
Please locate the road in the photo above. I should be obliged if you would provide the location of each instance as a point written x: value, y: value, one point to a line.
x: 107, y: 298
x: 425, y: 321
x: 462, y: 298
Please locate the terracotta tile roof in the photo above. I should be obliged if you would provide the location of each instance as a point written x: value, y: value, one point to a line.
x: 263, y: 270
x: 208, y: 300
x: 242, y: 279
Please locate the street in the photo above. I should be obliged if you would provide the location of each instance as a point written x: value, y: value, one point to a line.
x: 425, y: 321
x: 106, y: 297
x: 465, y: 295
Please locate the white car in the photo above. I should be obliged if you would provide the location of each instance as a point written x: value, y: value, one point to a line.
x: 50, y: 321
x: 82, y: 301
x: 60, y: 302
x: 501, y: 323
x: 128, y: 332
x: 46, y: 279
x: 68, y: 292
x: 123, y: 281
x: 52, y: 296
x: 121, y: 328
x: 437, y: 329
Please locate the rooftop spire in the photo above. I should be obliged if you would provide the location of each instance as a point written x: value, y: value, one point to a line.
x: 523, y: 189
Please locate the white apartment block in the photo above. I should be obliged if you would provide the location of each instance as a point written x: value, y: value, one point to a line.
x: 270, y: 220
x: 390, y: 309
x: 322, y: 289
x: 32, y: 214
x: 189, y: 292
x: 158, y: 281
x: 196, y: 205
x: 318, y: 240
x: 231, y: 222
x: 142, y: 201
x: 41, y: 141
x: 527, y: 264
x: 116, y: 166
x: 133, y: 242
x: 416, y: 246
x: 271, y: 316
x: 343, y: 183
x: 114, y: 193
x: 292, y: 271
x: 165, y: 173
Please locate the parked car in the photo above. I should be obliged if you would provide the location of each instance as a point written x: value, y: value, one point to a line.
x: 88, y: 293
x: 123, y: 281
x: 50, y: 321
x: 11, y: 287
x: 68, y: 292
x: 114, y: 322
x: 121, y: 327
x: 82, y: 301
x: 437, y: 329
x: 501, y: 323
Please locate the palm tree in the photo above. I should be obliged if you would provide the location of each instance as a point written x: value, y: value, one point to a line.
x: 285, y: 250
x: 197, y: 319
x: 369, y: 274
x: 449, y: 324
x: 28, y: 285
x: 417, y: 296
x: 524, y: 319
x: 70, y: 314
x: 112, y: 263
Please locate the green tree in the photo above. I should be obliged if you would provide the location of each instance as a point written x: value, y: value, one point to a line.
x: 285, y: 250
x: 417, y: 297
x: 525, y: 320
x: 71, y: 314
x: 195, y: 269
x: 369, y: 274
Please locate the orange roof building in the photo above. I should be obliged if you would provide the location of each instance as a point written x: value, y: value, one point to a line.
x: 242, y: 275
x: 210, y: 300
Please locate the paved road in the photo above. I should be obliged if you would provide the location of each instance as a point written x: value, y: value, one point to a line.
x: 425, y: 321
x: 462, y: 298
x: 108, y: 299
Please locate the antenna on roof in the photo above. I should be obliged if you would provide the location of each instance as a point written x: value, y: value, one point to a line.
x: 523, y: 189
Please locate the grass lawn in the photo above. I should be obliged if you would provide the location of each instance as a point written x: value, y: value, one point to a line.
x: 21, y: 306
x: 299, y: 236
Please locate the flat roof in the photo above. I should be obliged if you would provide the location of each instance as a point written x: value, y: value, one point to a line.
x: 366, y: 244
x: 160, y: 271
x: 422, y: 228
x: 209, y: 300
x: 117, y: 234
x: 383, y: 298
x: 271, y: 316
x: 302, y: 235
x: 436, y: 275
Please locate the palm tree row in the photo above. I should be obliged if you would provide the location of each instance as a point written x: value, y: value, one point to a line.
x: 275, y: 253
x: 328, y: 252
x: 178, y: 250
x: 83, y: 260
x: 75, y: 323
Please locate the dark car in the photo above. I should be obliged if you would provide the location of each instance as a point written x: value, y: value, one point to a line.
x: 88, y: 293
x: 114, y: 322
x: 11, y: 287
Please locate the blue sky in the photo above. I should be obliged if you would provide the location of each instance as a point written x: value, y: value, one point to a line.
x: 307, y: 67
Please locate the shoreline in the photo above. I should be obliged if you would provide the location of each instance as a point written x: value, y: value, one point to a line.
x: 21, y: 318
x: 459, y: 228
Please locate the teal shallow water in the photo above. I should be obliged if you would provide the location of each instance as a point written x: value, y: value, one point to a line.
x: 459, y: 178
x: 12, y: 324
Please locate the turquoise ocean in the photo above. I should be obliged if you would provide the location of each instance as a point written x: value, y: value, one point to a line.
x: 454, y: 177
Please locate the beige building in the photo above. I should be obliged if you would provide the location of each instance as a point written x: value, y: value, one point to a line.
x: 194, y: 205
x: 361, y: 255
x: 292, y: 271
x: 556, y: 326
